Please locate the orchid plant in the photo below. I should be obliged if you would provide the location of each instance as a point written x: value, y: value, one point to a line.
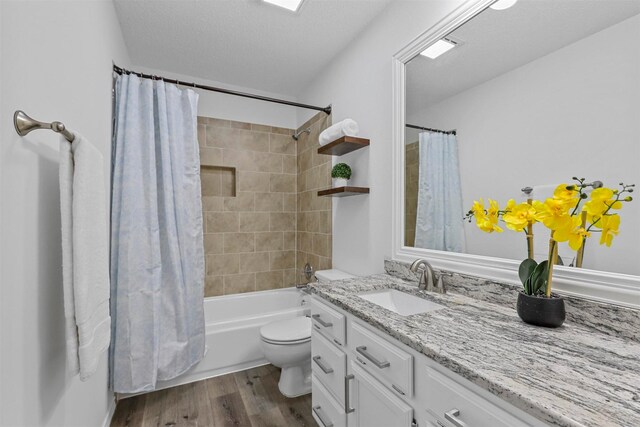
x: 571, y: 215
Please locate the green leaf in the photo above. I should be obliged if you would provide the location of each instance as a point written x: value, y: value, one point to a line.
x: 526, y: 268
x: 539, y: 277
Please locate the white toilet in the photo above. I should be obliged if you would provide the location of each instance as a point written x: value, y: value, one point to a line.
x: 287, y: 345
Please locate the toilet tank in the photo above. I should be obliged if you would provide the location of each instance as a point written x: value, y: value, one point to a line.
x: 325, y: 276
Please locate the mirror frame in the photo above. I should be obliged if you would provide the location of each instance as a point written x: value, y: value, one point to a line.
x: 607, y: 287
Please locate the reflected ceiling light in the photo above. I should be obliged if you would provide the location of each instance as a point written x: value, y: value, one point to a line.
x: 292, y: 5
x: 503, y: 4
x: 438, y: 48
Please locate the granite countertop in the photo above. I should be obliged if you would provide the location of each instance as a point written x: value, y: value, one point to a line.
x: 570, y: 376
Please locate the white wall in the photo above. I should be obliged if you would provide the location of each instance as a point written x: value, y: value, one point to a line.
x: 574, y: 112
x: 56, y: 65
x: 358, y: 84
x: 229, y: 107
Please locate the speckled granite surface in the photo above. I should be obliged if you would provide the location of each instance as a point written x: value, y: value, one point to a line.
x: 610, y: 319
x: 570, y: 376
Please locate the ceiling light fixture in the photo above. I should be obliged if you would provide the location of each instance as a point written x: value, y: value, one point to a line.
x: 503, y: 4
x: 438, y: 48
x: 292, y: 5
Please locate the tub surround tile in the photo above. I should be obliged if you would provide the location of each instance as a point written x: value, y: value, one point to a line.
x: 222, y: 264
x: 264, y: 159
x: 269, y: 202
x: 213, y: 286
x: 242, y: 202
x: 282, y: 144
x: 235, y: 243
x: 260, y: 128
x: 313, y: 242
x: 269, y: 280
x: 254, y: 221
x: 285, y: 221
x: 282, y: 260
x: 213, y: 243
x: 221, y: 222
x: 255, y: 262
x: 269, y: 241
x: 606, y: 318
x: 239, y: 283
x: 274, y: 198
x: 574, y: 375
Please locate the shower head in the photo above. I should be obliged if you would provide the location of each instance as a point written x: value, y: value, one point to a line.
x: 296, y: 135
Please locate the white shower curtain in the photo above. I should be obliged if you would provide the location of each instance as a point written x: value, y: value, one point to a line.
x: 157, y: 255
x: 439, y: 221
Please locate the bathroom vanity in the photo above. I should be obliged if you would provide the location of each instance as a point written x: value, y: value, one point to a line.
x: 459, y: 361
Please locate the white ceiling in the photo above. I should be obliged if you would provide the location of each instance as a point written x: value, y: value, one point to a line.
x: 243, y: 42
x: 495, y: 42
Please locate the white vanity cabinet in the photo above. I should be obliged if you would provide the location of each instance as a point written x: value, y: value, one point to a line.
x: 359, y: 386
x: 363, y: 377
x: 374, y: 405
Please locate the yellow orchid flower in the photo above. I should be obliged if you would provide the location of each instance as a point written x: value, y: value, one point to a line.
x: 478, y: 208
x: 610, y: 225
x: 600, y: 201
x: 518, y: 217
x: 553, y: 213
x: 566, y: 192
x: 486, y: 220
x: 493, y: 211
x: 574, y: 233
x: 487, y: 225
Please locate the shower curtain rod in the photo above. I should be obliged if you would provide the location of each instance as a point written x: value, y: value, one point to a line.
x: 119, y: 70
x: 447, y: 132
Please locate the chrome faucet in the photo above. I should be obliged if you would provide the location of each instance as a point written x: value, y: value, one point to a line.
x: 428, y: 280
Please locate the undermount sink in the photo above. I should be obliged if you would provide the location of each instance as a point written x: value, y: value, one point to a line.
x: 399, y: 302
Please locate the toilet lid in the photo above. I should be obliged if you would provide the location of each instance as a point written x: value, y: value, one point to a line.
x: 296, y: 329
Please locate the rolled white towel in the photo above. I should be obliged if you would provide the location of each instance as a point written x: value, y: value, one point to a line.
x: 347, y: 127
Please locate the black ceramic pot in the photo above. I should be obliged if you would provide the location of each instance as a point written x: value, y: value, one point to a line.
x: 540, y: 310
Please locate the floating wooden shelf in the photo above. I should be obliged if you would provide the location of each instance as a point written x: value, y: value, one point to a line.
x: 343, y: 191
x: 343, y: 145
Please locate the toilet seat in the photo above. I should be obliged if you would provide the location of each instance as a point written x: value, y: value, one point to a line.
x: 285, y: 342
x: 287, y: 332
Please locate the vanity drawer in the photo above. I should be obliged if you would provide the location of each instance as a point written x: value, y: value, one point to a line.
x: 324, y: 408
x: 329, y: 322
x: 329, y: 365
x: 385, y: 361
x: 454, y: 405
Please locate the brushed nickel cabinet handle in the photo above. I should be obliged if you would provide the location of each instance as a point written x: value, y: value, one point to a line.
x: 452, y: 417
x: 380, y: 364
x: 396, y: 388
x: 321, y: 416
x: 325, y: 369
x: 322, y: 322
x: 347, y: 400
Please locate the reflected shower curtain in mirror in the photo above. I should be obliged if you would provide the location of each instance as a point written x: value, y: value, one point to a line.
x: 439, y: 223
x: 157, y: 255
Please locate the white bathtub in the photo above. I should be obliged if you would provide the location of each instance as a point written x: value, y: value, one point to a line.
x: 233, y: 330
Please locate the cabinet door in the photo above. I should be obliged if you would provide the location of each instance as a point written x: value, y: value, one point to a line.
x: 374, y: 404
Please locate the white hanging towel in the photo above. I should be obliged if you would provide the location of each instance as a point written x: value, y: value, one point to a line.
x: 85, y: 262
x: 347, y: 127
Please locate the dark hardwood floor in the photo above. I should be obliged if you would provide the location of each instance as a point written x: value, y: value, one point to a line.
x: 249, y: 398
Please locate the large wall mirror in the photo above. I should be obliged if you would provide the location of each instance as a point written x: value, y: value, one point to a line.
x: 498, y: 100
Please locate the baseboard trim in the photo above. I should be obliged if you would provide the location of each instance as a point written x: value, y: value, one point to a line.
x: 110, y: 411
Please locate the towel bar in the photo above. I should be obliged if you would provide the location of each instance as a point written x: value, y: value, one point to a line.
x: 25, y: 124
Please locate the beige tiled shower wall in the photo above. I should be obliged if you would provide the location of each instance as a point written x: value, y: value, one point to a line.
x: 249, y: 175
x: 314, y: 213
x: 411, y: 192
